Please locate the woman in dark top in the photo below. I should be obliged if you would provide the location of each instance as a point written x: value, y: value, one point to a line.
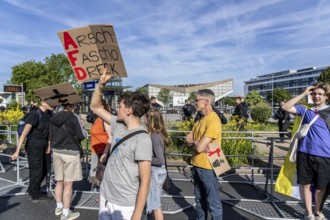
x: 159, y: 138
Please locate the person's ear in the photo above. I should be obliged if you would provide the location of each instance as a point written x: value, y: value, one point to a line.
x: 129, y: 111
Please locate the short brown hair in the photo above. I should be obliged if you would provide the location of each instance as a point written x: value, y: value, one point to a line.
x: 138, y: 101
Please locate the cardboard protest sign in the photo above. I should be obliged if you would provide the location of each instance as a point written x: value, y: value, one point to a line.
x: 217, y: 159
x: 59, y: 94
x: 92, y: 48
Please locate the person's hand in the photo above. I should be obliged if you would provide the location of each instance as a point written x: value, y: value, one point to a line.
x: 14, y: 156
x: 309, y: 90
x: 48, y: 150
x: 103, y: 158
x: 207, y: 149
x: 106, y: 76
x: 135, y: 216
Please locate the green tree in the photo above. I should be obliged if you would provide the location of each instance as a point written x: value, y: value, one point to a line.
x: 143, y: 90
x: 28, y: 74
x: 324, y: 76
x: 278, y: 95
x: 229, y: 101
x: 164, y: 96
x: 33, y: 75
x: 192, y: 96
x: 254, y: 98
x: 59, y: 69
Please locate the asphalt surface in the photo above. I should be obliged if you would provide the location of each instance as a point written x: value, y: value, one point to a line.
x: 21, y: 207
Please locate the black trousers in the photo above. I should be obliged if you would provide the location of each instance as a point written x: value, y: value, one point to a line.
x: 283, y: 127
x: 39, y: 165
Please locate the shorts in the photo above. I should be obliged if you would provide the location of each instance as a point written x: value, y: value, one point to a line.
x: 67, y: 167
x: 110, y: 211
x: 158, y: 176
x: 313, y: 169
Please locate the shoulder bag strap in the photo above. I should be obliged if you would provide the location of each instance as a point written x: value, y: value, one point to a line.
x: 302, y: 118
x: 125, y: 138
x: 314, y: 119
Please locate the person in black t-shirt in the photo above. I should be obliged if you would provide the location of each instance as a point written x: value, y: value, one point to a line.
x: 240, y: 113
x: 36, y: 131
x: 153, y: 103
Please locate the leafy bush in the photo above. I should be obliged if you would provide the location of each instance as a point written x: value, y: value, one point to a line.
x: 177, y: 138
x: 11, y: 116
x: 233, y: 142
x: 236, y: 145
x: 261, y: 112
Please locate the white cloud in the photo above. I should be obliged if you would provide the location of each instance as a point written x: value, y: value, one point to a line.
x: 176, y: 42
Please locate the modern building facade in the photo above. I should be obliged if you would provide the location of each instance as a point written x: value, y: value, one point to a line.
x: 293, y: 81
x: 8, y: 97
x: 179, y: 93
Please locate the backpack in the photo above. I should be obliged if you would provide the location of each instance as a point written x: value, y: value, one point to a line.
x: 223, y: 118
x: 21, y: 123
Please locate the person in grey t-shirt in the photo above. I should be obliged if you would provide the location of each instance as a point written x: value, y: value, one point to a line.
x: 126, y: 181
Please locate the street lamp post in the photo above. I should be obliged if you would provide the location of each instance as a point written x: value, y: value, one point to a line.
x: 272, y: 92
x: 22, y: 95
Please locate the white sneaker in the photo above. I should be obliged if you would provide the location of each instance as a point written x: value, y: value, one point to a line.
x: 320, y: 216
x: 309, y: 217
x: 72, y: 215
x: 58, y: 211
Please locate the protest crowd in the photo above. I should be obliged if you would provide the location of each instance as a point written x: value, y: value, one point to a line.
x: 128, y: 162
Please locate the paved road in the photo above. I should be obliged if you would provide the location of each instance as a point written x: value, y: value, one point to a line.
x: 21, y: 207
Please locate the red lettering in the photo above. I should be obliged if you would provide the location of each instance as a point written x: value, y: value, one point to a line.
x: 68, y: 41
x: 80, y: 73
x: 72, y: 58
x: 217, y: 151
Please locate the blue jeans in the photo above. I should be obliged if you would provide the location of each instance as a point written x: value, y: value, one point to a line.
x: 206, y: 193
x: 158, y: 176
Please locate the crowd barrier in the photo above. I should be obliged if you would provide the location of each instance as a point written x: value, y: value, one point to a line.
x: 10, y: 138
x: 181, y: 172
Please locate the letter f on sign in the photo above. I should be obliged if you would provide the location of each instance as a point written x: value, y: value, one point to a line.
x: 72, y: 58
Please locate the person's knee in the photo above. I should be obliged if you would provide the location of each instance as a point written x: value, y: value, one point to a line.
x: 68, y: 184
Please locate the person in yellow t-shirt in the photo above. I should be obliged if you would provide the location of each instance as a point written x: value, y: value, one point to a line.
x: 205, y: 131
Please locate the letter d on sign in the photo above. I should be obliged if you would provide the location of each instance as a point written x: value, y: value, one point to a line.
x: 80, y: 73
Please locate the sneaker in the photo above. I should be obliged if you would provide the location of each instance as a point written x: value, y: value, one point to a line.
x: 309, y: 217
x: 58, y: 211
x: 320, y: 216
x: 70, y: 216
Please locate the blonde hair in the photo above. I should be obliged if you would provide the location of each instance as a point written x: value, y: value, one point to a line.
x: 155, y: 124
x: 325, y: 87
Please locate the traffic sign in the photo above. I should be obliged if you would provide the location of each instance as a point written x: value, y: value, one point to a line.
x: 89, y: 85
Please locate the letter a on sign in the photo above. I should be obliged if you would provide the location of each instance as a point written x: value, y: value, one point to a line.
x: 68, y: 41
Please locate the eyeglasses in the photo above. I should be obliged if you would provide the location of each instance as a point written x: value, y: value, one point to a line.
x: 196, y: 100
x: 314, y: 94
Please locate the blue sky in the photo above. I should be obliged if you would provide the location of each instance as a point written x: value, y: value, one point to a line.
x: 177, y: 41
